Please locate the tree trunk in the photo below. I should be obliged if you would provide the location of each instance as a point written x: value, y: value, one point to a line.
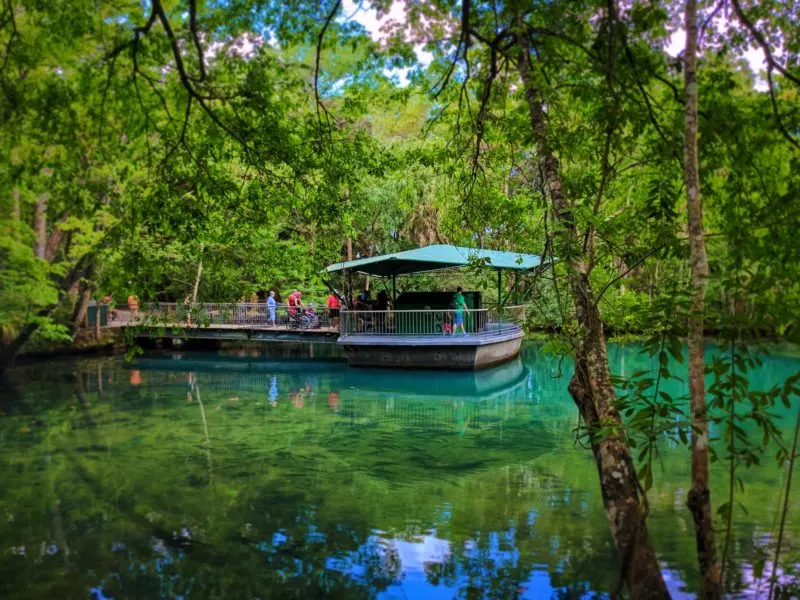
x: 79, y: 316
x: 41, y: 226
x: 8, y: 352
x: 784, y: 511
x: 591, y: 386
x: 15, y: 213
x: 97, y: 332
x: 55, y: 239
x: 349, y: 282
x: 196, y: 286
x: 699, y: 498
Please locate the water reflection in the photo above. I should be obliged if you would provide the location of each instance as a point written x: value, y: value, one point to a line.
x: 220, y: 370
x: 208, y: 475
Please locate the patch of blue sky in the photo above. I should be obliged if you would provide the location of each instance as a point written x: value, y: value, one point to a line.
x: 368, y: 18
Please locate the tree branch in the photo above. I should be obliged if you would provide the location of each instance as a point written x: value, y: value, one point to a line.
x: 480, y: 123
x: 784, y: 132
x: 762, y: 42
x: 14, y: 35
x: 710, y: 18
x: 628, y: 270
x: 182, y: 137
x: 196, y: 38
x: 320, y: 38
x: 133, y: 43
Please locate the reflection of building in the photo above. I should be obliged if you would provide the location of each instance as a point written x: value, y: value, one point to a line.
x: 442, y: 400
x: 482, y: 384
x: 450, y: 400
x: 431, y: 413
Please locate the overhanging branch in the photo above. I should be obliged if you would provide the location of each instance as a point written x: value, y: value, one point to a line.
x: 320, y: 38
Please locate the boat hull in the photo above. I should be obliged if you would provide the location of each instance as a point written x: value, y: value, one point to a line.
x: 447, y: 353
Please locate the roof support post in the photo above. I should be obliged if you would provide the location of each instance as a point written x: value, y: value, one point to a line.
x: 394, y: 289
x: 499, y: 299
x: 348, y: 277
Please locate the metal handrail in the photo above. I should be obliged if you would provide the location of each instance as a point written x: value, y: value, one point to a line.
x: 482, y: 322
x: 427, y: 323
x: 242, y: 314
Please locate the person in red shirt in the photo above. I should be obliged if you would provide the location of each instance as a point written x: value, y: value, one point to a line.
x: 294, y: 302
x: 334, y: 305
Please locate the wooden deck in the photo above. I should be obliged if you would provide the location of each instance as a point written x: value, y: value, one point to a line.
x: 226, y: 327
x: 235, y: 332
x: 415, y: 338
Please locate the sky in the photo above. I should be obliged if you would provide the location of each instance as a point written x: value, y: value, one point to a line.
x: 354, y: 10
x: 754, y: 55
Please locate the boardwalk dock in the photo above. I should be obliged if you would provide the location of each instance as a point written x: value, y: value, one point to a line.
x: 402, y: 338
x: 229, y: 321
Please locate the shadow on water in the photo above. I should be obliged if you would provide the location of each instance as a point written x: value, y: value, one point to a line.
x: 241, y: 474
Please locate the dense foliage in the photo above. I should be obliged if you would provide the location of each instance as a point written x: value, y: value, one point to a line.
x: 148, y: 160
x: 181, y: 150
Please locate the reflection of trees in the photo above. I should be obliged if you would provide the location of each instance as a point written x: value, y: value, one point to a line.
x: 194, y: 393
x: 299, y: 494
x: 141, y: 527
x: 494, y: 552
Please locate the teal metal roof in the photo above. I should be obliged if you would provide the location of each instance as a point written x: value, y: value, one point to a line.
x: 435, y: 257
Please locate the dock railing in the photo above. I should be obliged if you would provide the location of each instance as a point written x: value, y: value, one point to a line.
x: 432, y: 322
x: 229, y: 314
x: 483, y: 322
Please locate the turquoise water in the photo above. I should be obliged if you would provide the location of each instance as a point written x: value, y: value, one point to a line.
x: 240, y: 475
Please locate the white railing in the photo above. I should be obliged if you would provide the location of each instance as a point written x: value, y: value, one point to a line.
x: 431, y: 322
x: 230, y: 314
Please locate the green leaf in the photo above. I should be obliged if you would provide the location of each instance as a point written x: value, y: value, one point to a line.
x: 676, y: 348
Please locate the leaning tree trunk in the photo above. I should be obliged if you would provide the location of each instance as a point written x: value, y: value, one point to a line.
x: 15, y: 213
x: 40, y: 224
x: 196, y: 286
x: 9, y: 351
x: 82, y: 307
x: 699, y: 498
x: 591, y: 386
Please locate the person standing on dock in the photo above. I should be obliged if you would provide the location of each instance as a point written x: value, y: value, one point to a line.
x: 364, y: 302
x: 334, y: 305
x: 460, y: 306
x: 271, y: 304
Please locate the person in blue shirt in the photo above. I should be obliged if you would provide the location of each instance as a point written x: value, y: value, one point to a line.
x: 364, y: 301
x: 273, y: 391
x: 271, y: 307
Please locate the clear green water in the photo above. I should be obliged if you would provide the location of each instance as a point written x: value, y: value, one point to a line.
x: 233, y: 475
